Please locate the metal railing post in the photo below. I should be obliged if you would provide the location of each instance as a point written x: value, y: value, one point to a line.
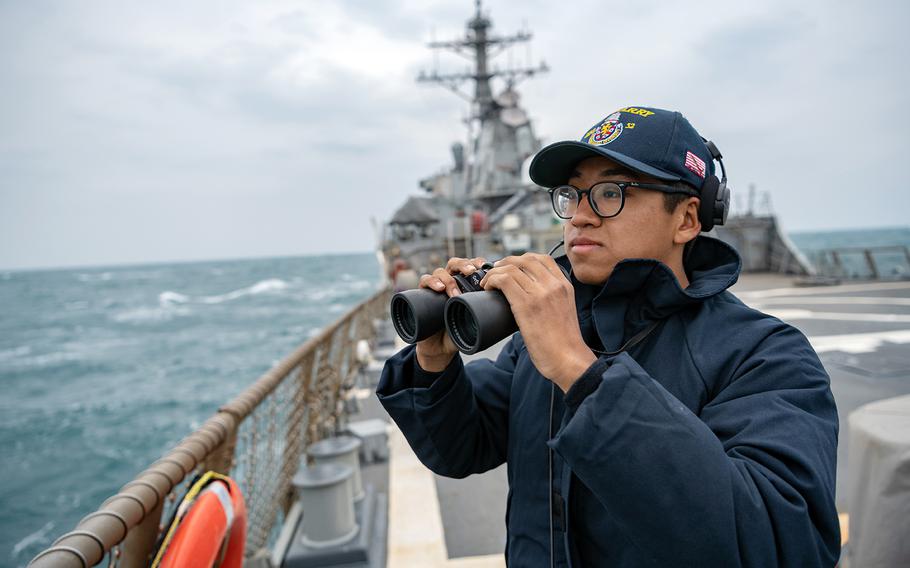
x: 222, y: 459
x: 838, y: 265
x: 136, y: 550
x: 870, y: 260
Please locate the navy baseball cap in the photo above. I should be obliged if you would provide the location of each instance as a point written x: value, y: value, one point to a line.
x: 651, y: 141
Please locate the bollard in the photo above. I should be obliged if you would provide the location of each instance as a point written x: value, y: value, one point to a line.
x: 878, y: 490
x: 374, y: 436
x: 343, y: 450
x: 324, y: 491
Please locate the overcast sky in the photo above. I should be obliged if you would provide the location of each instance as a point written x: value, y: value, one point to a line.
x: 152, y: 131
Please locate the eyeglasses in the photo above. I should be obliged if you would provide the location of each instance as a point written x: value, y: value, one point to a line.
x: 606, y: 198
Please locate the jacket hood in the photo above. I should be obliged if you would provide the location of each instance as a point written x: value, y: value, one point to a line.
x: 640, y: 291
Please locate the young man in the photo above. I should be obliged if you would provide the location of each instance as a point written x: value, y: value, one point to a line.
x: 647, y: 416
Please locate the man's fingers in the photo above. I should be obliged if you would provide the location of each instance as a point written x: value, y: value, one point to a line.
x: 539, y: 267
x: 466, y: 266
x: 508, y: 278
x: 451, y: 286
x: 440, y: 281
x: 432, y: 282
x: 545, y: 270
x: 550, y: 264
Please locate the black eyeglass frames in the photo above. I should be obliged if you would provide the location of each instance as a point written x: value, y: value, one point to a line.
x: 606, y: 198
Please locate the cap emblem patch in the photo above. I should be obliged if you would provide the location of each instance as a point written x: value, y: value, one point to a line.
x: 695, y: 164
x: 607, y: 131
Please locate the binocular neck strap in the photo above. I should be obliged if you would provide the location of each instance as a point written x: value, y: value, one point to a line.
x: 633, y: 341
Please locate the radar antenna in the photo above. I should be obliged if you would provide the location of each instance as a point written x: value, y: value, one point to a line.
x: 479, y: 46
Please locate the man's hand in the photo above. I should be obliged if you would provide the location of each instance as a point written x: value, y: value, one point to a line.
x: 543, y: 303
x: 435, y: 352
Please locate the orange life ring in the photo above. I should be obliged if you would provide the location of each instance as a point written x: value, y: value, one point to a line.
x: 209, y: 528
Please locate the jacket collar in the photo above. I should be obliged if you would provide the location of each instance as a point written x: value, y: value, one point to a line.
x: 642, y: 290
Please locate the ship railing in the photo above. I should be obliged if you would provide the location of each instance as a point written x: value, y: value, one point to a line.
x: 258, y: 438
x: 868, y: 263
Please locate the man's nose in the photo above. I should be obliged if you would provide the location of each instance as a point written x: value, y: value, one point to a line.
x: 584, y: 215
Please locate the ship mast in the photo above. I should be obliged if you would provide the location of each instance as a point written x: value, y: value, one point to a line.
x: 479, y: 46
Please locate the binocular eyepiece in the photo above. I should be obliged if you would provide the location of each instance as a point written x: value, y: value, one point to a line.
x: 475, y: 320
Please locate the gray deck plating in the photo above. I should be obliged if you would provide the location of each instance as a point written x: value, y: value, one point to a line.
x: 862, y: 368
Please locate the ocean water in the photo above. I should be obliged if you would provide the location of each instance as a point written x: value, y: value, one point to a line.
x: 104, y: 369
x: 888, y: 263
x: 809, y: 242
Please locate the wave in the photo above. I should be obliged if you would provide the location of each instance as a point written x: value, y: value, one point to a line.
x: 26, y: 360
x: 164, y: 312
x: 95, y: 277
x: 339, y: 290
x: 21, y: 351
x: 39, y: 535
x: 170, y: 298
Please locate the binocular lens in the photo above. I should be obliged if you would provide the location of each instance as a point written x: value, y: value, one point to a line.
x: 462, y: 326
x: 477, y: 320
x: 417, y: 314
x: 403, y: 319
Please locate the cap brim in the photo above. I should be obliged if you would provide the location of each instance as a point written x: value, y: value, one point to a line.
x: 554, y: 164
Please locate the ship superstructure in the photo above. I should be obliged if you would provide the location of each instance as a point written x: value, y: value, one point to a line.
x: 483, y: 204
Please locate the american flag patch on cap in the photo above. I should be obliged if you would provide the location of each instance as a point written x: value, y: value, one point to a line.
x: 695, y: 164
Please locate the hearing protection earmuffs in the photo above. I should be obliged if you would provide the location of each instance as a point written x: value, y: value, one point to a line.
x: 715, y: 195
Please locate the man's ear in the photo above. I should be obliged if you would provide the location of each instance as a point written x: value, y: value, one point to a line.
x: 687, y: 224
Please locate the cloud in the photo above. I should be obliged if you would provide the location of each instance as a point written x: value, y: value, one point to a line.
x: 149, y: 131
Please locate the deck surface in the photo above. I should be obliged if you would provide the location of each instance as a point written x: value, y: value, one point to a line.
x: 860, y: 330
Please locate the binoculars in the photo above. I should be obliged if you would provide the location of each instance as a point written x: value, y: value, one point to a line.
x: 475, y: 320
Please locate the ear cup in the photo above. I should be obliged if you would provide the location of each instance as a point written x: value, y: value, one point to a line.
x: 721, y: 205
x: 706, y: 209
x: 715, y: 195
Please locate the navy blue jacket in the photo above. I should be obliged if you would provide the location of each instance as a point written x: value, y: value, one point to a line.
x: 711, y: 443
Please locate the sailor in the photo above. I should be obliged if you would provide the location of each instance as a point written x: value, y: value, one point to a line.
x: 647, y: 416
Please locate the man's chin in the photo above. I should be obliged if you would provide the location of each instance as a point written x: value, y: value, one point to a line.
x: 588, y: 272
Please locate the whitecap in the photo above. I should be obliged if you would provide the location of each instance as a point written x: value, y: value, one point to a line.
x: 322, y: 294
x: 261, y: 287
x: 361, y: 285
x: 270, y: 285
x: 94, y: 277
x: 49, y: 359
x: 40, y: 535
x: 147, y: 315
x: 168, y: 298
x: 7, y: 354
